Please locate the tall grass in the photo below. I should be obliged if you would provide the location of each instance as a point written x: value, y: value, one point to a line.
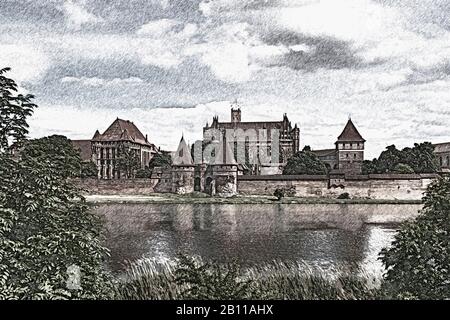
x: 193, y: 278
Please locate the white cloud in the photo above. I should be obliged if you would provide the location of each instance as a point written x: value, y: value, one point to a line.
x: 77, y: 15
x: 27, y: 62
x: 157, y: 28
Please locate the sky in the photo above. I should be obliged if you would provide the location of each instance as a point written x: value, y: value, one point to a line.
x: 171, y: 65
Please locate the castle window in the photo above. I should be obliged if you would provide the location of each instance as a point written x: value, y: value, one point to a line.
x: 354, y: 156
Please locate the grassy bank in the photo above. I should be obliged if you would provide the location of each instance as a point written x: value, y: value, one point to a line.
x: 191, y: 278
x: 239, y: 199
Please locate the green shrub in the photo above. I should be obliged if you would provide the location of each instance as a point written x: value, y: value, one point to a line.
x: 344, y: 195
x: 418, y: 262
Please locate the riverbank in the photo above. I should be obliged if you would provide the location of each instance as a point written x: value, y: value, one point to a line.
x: 167, y: 198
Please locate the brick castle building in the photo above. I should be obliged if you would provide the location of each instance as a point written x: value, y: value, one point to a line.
x: 122, y: 137
x: 289, y: 139
x: 348, y: 154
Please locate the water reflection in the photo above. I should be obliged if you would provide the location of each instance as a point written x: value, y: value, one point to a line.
x: 251, y: 234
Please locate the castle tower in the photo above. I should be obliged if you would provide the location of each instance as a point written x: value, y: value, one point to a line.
x: 350, y: 150
x: 183, y: 169
x: 235, y: 113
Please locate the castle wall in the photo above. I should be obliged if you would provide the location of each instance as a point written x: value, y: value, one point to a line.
x: 392, y: 187
x: 118, y: 186
x: 387, y: 187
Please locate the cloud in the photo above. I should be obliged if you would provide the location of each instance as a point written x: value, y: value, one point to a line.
x: 97, y: 82
x: 77, y: 15
x: 157, y: 28
x: 27, y: 62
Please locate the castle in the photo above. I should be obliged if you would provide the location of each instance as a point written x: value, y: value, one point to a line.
x: 121, y: 141
x: 217, y: 161
x: 257, y: 138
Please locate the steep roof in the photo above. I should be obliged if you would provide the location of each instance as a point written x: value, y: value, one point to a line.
x: 442, y: 147
x: 121, y: 130
x: 350, y: 133
x: 269, y: 125
x: 182, y: 156
x: 324, y: 152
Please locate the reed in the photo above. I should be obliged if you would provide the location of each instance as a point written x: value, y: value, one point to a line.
x: 193, y: 278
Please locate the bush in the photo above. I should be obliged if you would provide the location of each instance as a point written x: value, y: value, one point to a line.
x: 284, y: 192
x: 418, y: 262
x: 279, y: 193
x: 344, y: 195
x: 143, y: 173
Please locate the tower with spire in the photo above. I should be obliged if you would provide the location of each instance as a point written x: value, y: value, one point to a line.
x: 183, y: 169
x: 350, y: 149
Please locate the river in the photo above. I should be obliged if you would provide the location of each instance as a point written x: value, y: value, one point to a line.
x: 249, y: 234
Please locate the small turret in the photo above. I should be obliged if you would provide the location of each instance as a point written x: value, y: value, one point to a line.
x: 96, y: 135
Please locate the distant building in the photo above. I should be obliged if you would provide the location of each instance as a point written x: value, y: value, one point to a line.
x: 289, y: 138
x: 121, y: 136
x: 348, y: 155
x: 85, y: 149
x: 442, y: 151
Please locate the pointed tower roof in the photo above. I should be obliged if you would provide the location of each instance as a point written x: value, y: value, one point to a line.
x: 225, y: 155
x: 96, y: 135
x: 350, y: 133
x: 182, y: 156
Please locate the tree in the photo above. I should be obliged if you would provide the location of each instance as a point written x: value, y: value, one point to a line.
x: 305, y: 162
x: 88, y: 170
x: 46, y: 226
x: 418, y: 261
x: 420, y: 159
x: 160, y: 160
x: 403, y: 168
x: 370, y: 167
x: 128, y: 162
x: 389, y: 159
x: 14, y: 110
x: 57, y: 152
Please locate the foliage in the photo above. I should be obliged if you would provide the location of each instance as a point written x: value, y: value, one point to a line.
x: 418, y: 262
x: 284, y: 191
x: 88, y: 170
x: 56, y: 152
x: 279, y: 193
x: 419, y: 159
x: 45, y: 225
x: 403, y: 169
x: 305, y: 162
x: 128, y: 162
x: 44, y: 230
x: 210, y: 280
x: 144, y: 173
x: 160, y: 160
x: 14, y: 110
x: 191, y: 278
x: 344, y: 195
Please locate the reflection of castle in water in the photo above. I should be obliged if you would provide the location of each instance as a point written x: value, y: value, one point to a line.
x: 249, y: 233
